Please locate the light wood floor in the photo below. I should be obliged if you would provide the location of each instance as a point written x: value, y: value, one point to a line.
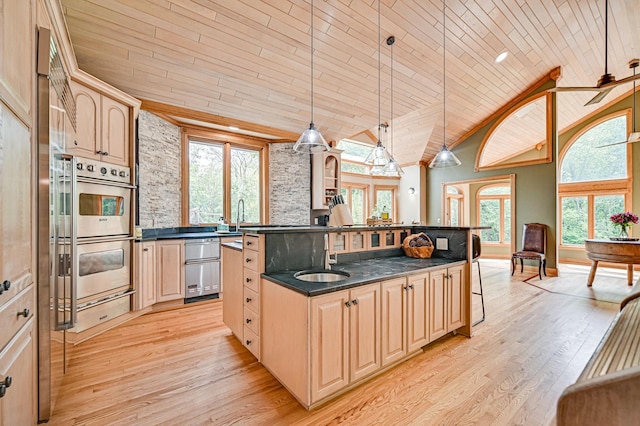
x: 184, y: 367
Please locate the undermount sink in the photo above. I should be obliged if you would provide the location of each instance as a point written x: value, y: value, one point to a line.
x: 325, y: 276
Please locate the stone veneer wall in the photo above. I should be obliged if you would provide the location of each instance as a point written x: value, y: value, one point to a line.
x: 159, y: 179
x: 289, y: 185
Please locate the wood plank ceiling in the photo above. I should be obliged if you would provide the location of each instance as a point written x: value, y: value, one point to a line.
x: 248, y: 61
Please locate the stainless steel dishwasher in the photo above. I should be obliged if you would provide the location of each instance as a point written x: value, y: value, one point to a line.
x: 202, y: 269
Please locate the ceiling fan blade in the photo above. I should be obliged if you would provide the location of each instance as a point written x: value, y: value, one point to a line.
x: 622, y: 81
x: 574, y: 89
x: 600, y: 96
x: 633, y: 137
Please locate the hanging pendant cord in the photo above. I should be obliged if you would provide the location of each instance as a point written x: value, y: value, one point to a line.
x: 379, y: 114
x: 606, y: 31
x: 633, y: 123
x: 391, y: 87
x: 311, y: 63
x: 444, y: 77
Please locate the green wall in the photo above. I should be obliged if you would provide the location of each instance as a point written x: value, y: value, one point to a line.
x: 535, y: 196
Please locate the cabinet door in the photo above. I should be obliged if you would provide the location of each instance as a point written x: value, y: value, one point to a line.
x: 115, y: 132
x: 437, y: 304
x: 88, y: 117
x: 170, y: 270
x: 329, y: 344
x: 417, y: 312
x: 232, y: 304
x: 364, y: 317
x: 455, y: 298
x: 148, y: 271
x: 16, y: 361
x: 394, y: 320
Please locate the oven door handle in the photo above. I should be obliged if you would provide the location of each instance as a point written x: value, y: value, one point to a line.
x: 105, y: 183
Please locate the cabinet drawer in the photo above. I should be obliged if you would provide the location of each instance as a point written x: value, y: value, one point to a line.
x: 252, y: 300
x: 251, y: 279
x: 251, y: 320
x: 252, y: 342
x: 250, y: 259
x: 94, y: 315
x: 251, y: 242
x: 12, y: 315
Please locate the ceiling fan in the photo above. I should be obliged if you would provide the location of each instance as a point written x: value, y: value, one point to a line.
x: 634, y: 136
x: 607, y: 81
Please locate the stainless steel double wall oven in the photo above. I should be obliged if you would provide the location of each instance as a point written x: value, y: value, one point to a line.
x: 93, y: 241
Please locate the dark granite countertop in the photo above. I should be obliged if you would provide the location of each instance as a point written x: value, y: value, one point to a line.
x: 280, y: 229
x: 185, y: 232
x: 361, y: 272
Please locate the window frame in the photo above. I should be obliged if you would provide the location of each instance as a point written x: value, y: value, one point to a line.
x: 449, y: 197
x: 594, y: 188
x: 501, y: 198
x: 227, y: 140
x: 365, y: 188
x: 394, y: 198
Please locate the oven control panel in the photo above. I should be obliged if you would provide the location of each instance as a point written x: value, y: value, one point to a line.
x: 94, y: 169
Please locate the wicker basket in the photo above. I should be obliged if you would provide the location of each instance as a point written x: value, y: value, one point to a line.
x: 421, y: 252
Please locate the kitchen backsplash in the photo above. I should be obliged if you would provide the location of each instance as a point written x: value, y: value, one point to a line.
x: 289, y: 185
x: 159, y: 154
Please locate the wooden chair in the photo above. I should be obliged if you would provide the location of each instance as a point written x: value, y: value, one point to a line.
x: 534, y: 247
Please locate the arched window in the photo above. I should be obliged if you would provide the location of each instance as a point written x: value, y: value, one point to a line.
x: 594, y: 180
x: 494, y: 210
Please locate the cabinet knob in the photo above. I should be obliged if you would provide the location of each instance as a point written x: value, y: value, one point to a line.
x: 24, y: 312
x: 99, y: 152
x: 6, y: 285
x: 248, y: 320
x: 247, y: 260
x: 105, y: 153
x: 248, y: 342
x: 248, y: 280
x: 347, y: 304
x: 354, y: 301
x: 6, y: 383
x: 406, y: 288
x: 248, y: 299
x: 249, y: 243
x: 411, y: 287
x: 145, y: 249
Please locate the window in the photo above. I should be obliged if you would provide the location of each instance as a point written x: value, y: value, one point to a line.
x: 453, y: 204
x: 356, y: 198
x: 594, y: 181
x: 353, y: 156
x: 385, y: 197
x: 494, y: 210
x: 218, y: 176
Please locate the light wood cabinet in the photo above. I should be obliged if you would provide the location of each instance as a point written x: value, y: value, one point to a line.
x: 17, y: 362
x: 103, y: 127
x: 170, y: 270
x: 232, y: 305
x: 325, y: 177
x: 405, y: 320
x: 345, y: 338
x: 145, y: 295
x: 446, y: 294
x: 253, y: 265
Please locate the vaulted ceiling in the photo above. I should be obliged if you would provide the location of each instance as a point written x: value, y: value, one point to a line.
x: 248, y: 61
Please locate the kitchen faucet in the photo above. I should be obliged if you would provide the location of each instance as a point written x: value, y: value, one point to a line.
x: 238, y: 214
x: 328, y: 261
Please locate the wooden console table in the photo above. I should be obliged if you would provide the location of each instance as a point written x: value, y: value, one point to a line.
x: 615, y: 252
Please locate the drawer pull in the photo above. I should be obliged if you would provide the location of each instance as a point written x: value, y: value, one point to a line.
x: 6, y: 383
x: 247, y: 260
x: 248, y: 280
x: 24, y: 312
x: 248, y: 342
x: 249, y: 243
x: 248, y: 300
x: 145, y: 249
x: 6, y: 285
x: 248, y: 320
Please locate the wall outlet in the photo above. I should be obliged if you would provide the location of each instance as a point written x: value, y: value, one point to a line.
x: 442, y: 244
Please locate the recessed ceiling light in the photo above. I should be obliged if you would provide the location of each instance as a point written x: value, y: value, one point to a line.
x: 234, y: 128
x: 501, y: 57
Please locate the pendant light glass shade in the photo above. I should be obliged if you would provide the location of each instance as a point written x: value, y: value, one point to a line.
x: 444, y: 158
x: 311, y: 140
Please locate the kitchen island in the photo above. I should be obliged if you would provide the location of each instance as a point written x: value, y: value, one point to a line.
x: 320, y: 339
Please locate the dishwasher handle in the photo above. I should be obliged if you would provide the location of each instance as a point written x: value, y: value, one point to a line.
x: 200, y: 261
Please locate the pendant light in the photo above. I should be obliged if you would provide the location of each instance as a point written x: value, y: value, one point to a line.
x: 311, y: 139
x: 444, y: 158
x: 378, y: 158
x: 393, y: 167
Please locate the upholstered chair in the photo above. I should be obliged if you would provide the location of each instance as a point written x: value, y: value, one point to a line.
x: 534, y: 247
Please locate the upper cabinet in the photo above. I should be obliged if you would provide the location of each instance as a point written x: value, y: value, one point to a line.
x: 326, y: 179
x: 103, y: 127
